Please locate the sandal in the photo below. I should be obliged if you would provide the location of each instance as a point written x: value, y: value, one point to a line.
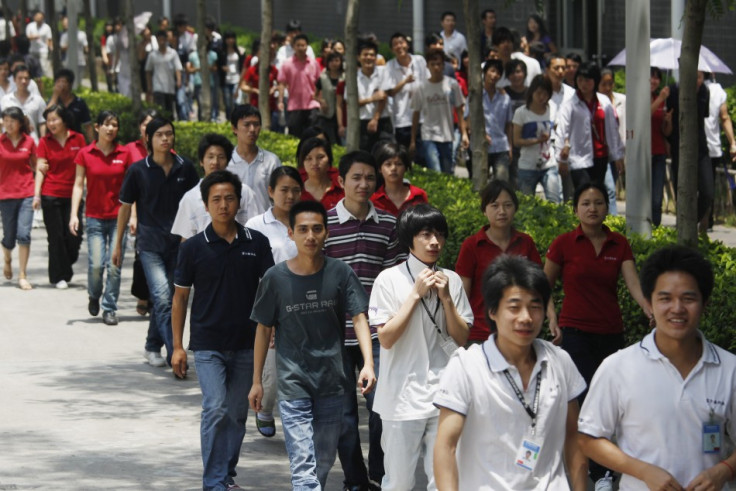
x: 24, y: 284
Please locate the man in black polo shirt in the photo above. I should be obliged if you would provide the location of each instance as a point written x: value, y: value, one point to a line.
x: 63, y: 83
x: 224, y: 263
x: 156, y: 184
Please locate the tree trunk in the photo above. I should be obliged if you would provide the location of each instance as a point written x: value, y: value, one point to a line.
x: 53, y: 22
x: 8, y: 14
x: 89, y: 25
x: 205, y: 97
x: 351, y: 74
x: 135, y: 78
x: 687, y: 181
x: 23, y: 8
x: 264, y: 62
x: 475, y: 95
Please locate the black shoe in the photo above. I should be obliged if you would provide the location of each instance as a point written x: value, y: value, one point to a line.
x: 93, y: 306
x: 109, y: 318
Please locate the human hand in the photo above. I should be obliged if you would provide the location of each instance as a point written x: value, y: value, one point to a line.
x: 117, y: 257
x: 73, y: 225
x: 372, y: 126
x: 36, y: 203
x: 711, y: 479
x: 179, y: 362
x: 366, y: 379
x: 255, y: 397
x: 658, y: 479
x: 442, y: 286
x: 425, y: 280
x: 564, y: 168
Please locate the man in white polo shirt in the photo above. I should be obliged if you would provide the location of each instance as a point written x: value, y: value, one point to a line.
x: 670, y: 399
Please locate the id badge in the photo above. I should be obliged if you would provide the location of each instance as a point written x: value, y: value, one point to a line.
x: 449, y: 346
x: 527, y: 455
x: 711, y: 438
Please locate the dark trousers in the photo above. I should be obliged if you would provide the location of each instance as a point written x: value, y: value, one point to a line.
x: 63, y: 246
x: 166, y: 101
x: 385, y: 131
x: 348, y: 449
x: 706, y: 183
x: 299, y: 120
x: 588, y: 350
x: 597, y: 173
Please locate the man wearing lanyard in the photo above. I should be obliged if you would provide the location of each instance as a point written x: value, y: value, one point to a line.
x: 687, y: 396
x: 422, y: 315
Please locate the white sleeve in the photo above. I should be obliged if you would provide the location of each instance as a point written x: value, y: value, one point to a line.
x: 454, y: 391
x: 615, y: 146
x: 575, y: 382
x: 459, y: 297
x: 562, y: 127
x: 383, y: 303
x: 600, y: 413
x: 183, y: 223
x: 249, y: 206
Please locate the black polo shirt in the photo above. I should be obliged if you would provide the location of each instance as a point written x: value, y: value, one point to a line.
x: 225, y: 278
x: 157, y: 197
x: 81, y: 113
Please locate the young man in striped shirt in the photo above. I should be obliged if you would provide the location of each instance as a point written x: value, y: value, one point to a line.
x: 365, y: 238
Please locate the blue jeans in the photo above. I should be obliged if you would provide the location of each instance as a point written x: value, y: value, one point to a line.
x: 101, y: 237
x: 214, y: 102
x: 550, y: 179
x: 182, y: 103
x: 351, y: 455
x: 228, y: 96
x: 438, y: 155
x: 159, y: 271
x: 610, y: 183
x: 225, y: 378
x: 659, y: 171
x: 311, y: 432
x: 17, y: 218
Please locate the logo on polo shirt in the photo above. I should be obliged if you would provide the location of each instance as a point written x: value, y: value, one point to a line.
x: 609, y: 258
x: 312, y: 295
x: 179, y: 179
x: 118, y: 161
x: 246, y: 253
x: 75, y: 148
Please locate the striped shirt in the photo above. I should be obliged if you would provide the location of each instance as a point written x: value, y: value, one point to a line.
x: 368, y: 246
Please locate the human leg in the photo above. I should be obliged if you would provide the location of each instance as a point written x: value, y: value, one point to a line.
x: 432, y: 155
x: 375, y: 427
x: 446, y: 157
x: 610, y: 183
x: 430, y: 435
x: 23, y: 238
x: 348, y: 449
x: 706, y: 188
x: 59, y: 267
x: 327, y: 423
x: 112, y: 283
x: 239, y: 381
x: 402, y: 446
x: 95, y: 257
x: 269, y: 382
x: 659, y: 170
x: 182, y: 105
x: 297, y: 420
x: 158, y: 269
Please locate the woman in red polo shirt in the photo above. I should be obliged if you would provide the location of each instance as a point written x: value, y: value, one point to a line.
x: 589, y: 260
x: 103, y: 164
x: 394, y: 194
x: 17, y: 161
x: 499, y: 203
x: 320, y: 178
x: 54, y: 182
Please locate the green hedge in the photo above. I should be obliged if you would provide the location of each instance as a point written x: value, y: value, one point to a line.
x: 455, y: 197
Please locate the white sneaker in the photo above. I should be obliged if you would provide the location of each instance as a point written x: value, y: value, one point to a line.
x: 62, y: 285
x: 604, y: 484
x: 154, y: 359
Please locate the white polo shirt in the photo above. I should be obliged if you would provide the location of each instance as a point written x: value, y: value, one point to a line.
x: 256, y: 174
x: 282, y: 247
x: 475, y: 386
x: 454, y: 44
x: 366, y: 87
x: 411, y: 369
x: 639, y: 397
x: 192, y: 217
x: 401, y: 101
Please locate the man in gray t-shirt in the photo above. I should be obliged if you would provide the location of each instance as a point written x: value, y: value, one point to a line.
x: 306, y: 299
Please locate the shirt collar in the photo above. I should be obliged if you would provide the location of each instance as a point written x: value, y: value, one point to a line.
x: 343, y: 215
x: 237, y: 159
x: 578, y: 233
x: 649, y: 347
x: 416, y: 266
x: 210, y: 236
x: 496, y: 361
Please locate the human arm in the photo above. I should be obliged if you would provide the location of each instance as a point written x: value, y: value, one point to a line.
x: 397, y: 88
x: 414, y: 129
x: 661, y: 97
x: 41, y: 168
x: 178, y: 78
x: 260, y: 350
x: 631, y: 278
x: 457, y: 328
x: 340, y: 101
x: 727, y: 126
x: 715, y: 477
x: 606, y: 453
x: 553, y: 271
x: 367, y: 376
x: 467, y: 284
x: 178, y: 317
x: 575, y: 460
x: 380, y: 99
x: 77, y: 192
x: 449, y: 429
x: 123, y: 218
x: 461, y: 126
x: 391, y: 331
x: 282, y: 88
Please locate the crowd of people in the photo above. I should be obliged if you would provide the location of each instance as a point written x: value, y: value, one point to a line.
x: 318, y: 288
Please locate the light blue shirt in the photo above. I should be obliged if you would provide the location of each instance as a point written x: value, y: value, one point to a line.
x: 497, y: 114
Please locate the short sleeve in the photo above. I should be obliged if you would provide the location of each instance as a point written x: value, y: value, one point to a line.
x: 457, y: 93
x: 265, y: 254
x: 555, y: 252
x: 265, y: 306
x: 42, y: 152
x: 183, y: 224
x: 356, y: 301
x: 518, y: 119
x: 599, y: 415
x: 184, y: 272
x: 417, y: 99
x: 466, y: 259
x: 532, y: 252
x: 628, y: 254
x: 383, y: 303
x: 509, y: 110
x: 130, y: 191
x: 454, y: 391
x: 83, y: 115
x: 177, y: 63
x: 459, y: 297
x: 281, y: 78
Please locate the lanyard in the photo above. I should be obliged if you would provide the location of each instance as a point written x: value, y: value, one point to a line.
x: 426, y: 309
x: 531, y: 411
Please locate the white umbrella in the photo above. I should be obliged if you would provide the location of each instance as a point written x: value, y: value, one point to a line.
x: 140, y: 21
x: 665, y: 54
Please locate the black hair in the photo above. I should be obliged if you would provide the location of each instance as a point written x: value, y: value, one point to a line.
x: 655, y: 72
x: 17, y: 114
x: 607, y: 71
x: 493, y: 190
x: 181, y: 20
x: 675, y: 258
x: 21, y: 68
x: 243, y: 111
x: 540, y: 23
x: 387, y: 150
x: 64, y: 73
x: 307, y: 206
x: 214, y: 140
x: 574, y: 57
x: 162, y: 33
x: 589, y: 70
x: 446, y: 13
x: 145, y: 113
x: 433, y: 38
x: 106, y: 115
x: 281, y: 171
x: 229, y: 34
x: 326, y: 43
x: 502, y: 35
x: 333, y: 55
x: 486, y: 12
x: 307, y: 133
x: 154, y: 125
x: 355, y: 157
x: 306, y: 146
x: 538, y: 82
x: 416, y: 219
x: 366, y: 43
x: 209, y: 23
x: 586, y: 186
x: 220, y: 177
x: 554, y: 56
x: 512, y: 64
x: 510, y: 270
x: 397, y: 35
x: 294, y: 25
x: 493, y: 63
x: 4, y: 61
x: 65, y: 114
x: 299, y: 36
x: 435, y: 54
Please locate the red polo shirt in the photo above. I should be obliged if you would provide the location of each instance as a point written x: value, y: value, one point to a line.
x: 137, y: 150
x: 590, y: 281
x: 104, y: 179
x: 381, y: 200
x: 251, y: 77
x: 331, y: 197
x: 59, y: 179
x: 476, y: 254
x: 16, y: 176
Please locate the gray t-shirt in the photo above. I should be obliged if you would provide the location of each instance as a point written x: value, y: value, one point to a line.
x: 309, y: 315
